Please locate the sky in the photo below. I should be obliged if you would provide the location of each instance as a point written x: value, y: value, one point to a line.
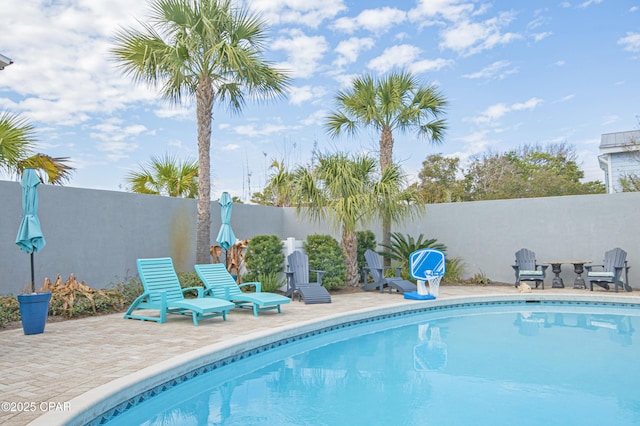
x: 512, y: 72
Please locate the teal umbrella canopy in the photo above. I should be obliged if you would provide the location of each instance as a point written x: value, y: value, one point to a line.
x: 226, y: 238
x: 30, y: 238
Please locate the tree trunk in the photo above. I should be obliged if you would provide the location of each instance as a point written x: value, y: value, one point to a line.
x: 386, y: 159
x: 349, y: 245
x: 204, y: 106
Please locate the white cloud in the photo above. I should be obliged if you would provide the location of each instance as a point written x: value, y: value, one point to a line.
x: 541, y: 36
x: 230, y: 147
x: 496, y: 70
x: 529, y: 104
x: 451, y: 10
x: 406, y: 56
x: 631, y: 42
x: 634, y: 9
x: 496, y: 111
x: 475, y: 143
x: 176, y: 112
x: 427, y: 65
x: 377, y: 21
x: 306, y: 12
x: 469, y: 38
x: 589, y: 3
x: 302, y: 94
x: 395, y: 56
x: 349, y: 50
x: 253, y: 130
x: 610, y: 119
x: 304, y: 52
x: 565, y: 98
x: 537, y: 22
x: 59, y: 55
x: 315, y: 119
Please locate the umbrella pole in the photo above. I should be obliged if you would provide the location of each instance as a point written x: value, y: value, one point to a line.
x: 33, y: 288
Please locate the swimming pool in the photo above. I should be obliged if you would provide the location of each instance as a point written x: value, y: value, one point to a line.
x: 481, y: 363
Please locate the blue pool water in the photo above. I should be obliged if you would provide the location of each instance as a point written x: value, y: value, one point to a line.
x: 521, y: 364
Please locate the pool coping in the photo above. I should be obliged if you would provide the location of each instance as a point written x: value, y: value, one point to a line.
x: 93, y: 404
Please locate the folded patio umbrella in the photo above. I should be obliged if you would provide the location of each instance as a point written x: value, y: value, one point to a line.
x: 226, y: 238
x: 30, y: 238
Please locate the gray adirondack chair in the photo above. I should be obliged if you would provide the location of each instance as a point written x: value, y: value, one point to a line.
x: 614, y: 270
x: 374, y: 266
x: 527, y: 269
x: 298, y: 280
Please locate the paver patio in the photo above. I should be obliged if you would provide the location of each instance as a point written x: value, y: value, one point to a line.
x: 74, y: 357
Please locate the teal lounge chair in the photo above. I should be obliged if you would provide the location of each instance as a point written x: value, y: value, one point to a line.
x: 162, y: 292
x: 219, y: 283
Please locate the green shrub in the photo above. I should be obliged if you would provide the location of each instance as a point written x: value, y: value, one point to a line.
x: 366, y: 241
x: 9, y: 310
x: 455, y: 270
x: 130, y: 288
x: 325, y: 254
x: 263, y: 257
x: 190, y: 279
x: 271, y: 282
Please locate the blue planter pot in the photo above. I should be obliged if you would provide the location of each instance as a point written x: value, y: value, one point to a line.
x: 34, y: 309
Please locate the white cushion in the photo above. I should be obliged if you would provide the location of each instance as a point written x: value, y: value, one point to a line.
x: 530, y: 273
x: 600, y: 274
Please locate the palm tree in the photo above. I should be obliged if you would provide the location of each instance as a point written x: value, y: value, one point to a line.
x: 207, y: 49
x: 166, y: 175
x: 279, y: 189
x: 395, y: 102
x: 348, y: 193
x: 17, y: 142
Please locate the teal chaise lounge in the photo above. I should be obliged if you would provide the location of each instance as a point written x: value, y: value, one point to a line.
x: 219, y: 283
x: 162, y: 292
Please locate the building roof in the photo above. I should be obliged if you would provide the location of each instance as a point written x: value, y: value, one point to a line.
x: 620, y: 139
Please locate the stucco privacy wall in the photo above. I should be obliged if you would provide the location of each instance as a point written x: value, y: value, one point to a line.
x: 98, y: 235
x: 486, y: 234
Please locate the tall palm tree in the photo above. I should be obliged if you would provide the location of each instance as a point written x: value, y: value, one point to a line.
x: 396, y: 102
x: 17, y: 142
x: 207, y: 49
x: 166, y: 175
x: 348, y: 193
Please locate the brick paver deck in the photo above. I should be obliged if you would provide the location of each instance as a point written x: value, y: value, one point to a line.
x: 74, y: 357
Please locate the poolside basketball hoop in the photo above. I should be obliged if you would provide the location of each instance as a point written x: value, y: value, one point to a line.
x: 426, y: 265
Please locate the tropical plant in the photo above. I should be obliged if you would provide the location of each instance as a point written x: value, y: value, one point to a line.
x: 366, y: 241
x: 454, y: 270
x: 401, y: 247
x: 325, y: 254
x: 279, y: 189
x: 263, y: 257
x: 210, y: 50
x: 166, y: 175
x: 348, y: 192
x: 17, y: 142
x: 271, y: 281
x: 396, y: 102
